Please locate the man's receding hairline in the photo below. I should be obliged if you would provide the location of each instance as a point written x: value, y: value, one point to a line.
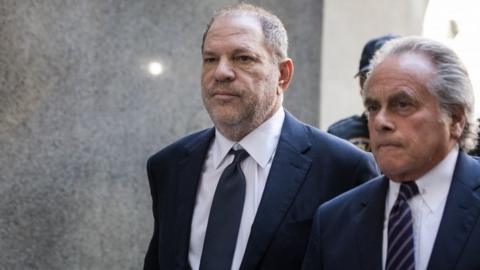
x: 242, y: 13
x: 238, y: 13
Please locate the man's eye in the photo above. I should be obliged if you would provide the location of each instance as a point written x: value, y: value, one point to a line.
x: 371, y: 108
x: 245, y: 58
x: 404, y: 105
x: 209, y: 59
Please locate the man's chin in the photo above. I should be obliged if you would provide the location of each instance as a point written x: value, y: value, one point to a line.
x: 225, y: 119
x: 395, y: 172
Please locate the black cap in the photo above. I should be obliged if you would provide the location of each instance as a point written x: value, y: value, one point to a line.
x: 369, y: 50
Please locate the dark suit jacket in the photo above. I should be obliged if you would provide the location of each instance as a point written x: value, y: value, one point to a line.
x: 347, y: 231
x: 309, y: 167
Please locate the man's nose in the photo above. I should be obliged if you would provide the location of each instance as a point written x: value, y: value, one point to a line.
x: 224, y: 71
x: 383, y: 121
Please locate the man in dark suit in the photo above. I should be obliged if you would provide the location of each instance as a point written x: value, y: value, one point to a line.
x: 288, y: 168
x: 424, y: 212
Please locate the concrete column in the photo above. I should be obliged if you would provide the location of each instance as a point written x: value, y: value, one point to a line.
x: 347, y: 26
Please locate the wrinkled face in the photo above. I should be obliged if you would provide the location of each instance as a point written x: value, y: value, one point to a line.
x: 240, y: 77
x: 409, y: 134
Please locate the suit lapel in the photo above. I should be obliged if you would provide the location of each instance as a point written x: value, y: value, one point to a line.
x: 187, y: 177
x: 461, y: 211
x: 288, y: 171
x: 369, y: 224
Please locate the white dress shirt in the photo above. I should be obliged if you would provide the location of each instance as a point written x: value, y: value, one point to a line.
x: 427, y: 208
x: 261, y: 145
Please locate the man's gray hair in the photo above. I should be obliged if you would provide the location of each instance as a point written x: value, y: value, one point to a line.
x: 450, y: 84
x: 273, y: 29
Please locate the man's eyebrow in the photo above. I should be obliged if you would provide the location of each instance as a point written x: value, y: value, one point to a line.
x: 369, y: 101
x: 243, y: 49
x: 401, y: 95
x: 394, y: 97
x: 208, y: 53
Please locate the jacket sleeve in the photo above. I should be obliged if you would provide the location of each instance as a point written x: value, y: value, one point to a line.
x: 313, y: 255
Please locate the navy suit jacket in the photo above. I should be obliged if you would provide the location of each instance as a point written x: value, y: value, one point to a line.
x: 309, y: 167
x: 347, y: 231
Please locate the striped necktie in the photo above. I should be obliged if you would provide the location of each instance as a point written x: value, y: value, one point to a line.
x: 400, y: 252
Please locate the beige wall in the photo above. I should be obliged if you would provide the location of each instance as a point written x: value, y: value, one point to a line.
x: 348, y: 24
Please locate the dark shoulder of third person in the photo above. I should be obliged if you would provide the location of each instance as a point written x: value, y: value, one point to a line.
x: 353, y: 126
x: 345, y: 164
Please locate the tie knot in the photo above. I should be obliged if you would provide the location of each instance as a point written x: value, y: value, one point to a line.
x: 408, y: 190
x: 239, y: 155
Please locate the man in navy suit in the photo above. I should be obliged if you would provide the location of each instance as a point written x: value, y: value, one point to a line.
x: 424, y: 212
x: 291, y: 168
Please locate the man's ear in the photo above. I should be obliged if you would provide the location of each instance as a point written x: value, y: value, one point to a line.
x: 458, y: 123
x: 286, y: 74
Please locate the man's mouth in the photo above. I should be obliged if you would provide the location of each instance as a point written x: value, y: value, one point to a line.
x: 388, y: 145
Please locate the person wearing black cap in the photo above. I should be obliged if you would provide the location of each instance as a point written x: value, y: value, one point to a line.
x: 355, y: 128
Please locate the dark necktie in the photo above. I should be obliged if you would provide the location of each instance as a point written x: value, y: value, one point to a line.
x: 225, y: 216
x: 400, y: 252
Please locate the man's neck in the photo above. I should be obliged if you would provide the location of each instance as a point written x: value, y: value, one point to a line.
x: 238, y: 131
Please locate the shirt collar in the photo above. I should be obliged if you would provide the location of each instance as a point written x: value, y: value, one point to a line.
x: 260, y: 143
x: 221, y: 146
x: 434, y: 185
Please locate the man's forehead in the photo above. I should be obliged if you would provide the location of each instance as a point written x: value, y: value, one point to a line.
x: 238, y: 32
x: 415, y: 65
x: 410, y: 72
x: 236, y: 19
x: 387, y: 90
